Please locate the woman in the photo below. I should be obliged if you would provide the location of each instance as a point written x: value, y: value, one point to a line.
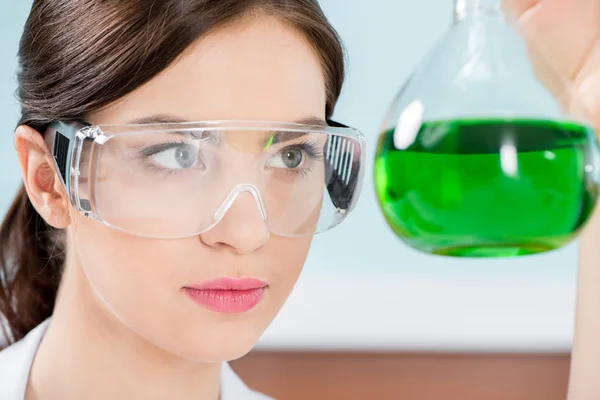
x: 135, y: 316
x: 177, y: 157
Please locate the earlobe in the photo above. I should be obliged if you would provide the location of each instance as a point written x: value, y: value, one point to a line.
x: 40, y: 178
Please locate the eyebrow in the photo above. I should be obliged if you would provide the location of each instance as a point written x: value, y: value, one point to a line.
x: 271, y: 139
x: 173, y: 119
x: 157, y: 119
x: 280, y: 137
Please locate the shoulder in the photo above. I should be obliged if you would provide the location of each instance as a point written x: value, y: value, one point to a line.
x: 16, y: 361
x: 233, y: 388
x: 15, y: 364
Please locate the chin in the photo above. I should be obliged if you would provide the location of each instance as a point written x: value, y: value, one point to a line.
x: 218, y: 352
x: 215, y: 346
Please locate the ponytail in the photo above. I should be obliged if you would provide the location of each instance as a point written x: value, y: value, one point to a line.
x: 30, y: 267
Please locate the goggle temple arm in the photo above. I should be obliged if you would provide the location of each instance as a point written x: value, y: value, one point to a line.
x: 60, y: 138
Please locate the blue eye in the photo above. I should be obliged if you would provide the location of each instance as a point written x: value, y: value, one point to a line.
x: 289, y: 157
x: 180, y: 157
x: 295, y: 156
x: 174, y: 156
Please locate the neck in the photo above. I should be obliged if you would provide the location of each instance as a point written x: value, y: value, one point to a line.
x: 464, y: 9
x: 88, y: 354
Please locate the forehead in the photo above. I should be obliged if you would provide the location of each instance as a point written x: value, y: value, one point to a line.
x: 256, y: 69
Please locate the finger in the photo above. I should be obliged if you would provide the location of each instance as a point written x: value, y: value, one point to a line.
x: 516, y: 8
x: 587, y: 86
x: 563, y: 31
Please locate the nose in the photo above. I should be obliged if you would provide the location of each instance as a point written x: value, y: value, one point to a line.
x: 241, y: 227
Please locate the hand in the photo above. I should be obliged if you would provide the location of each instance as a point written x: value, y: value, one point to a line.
x: 567, y: 34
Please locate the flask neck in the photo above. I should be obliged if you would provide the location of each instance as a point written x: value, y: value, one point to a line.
x: 464, y: 9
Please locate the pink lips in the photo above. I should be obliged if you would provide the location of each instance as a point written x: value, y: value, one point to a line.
x: 228, y: 295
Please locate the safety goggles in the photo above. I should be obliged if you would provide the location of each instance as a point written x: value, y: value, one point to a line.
x: 176, y: 180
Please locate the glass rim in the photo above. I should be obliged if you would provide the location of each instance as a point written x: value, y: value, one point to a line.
x: 110, y: 130
x: 98, y: 218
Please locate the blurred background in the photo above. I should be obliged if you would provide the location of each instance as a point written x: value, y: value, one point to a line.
x: 371, y: 318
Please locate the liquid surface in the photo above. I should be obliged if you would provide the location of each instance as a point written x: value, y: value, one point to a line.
x: 488, y: 188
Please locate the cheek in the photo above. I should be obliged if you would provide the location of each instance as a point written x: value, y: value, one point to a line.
x: 287, y: 257
x: 129, y: 273
x: 138, y: 280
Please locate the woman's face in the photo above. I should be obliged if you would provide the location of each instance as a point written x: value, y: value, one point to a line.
x: 258, y: 69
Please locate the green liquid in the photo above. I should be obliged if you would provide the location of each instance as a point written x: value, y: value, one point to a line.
x: 488, y: 188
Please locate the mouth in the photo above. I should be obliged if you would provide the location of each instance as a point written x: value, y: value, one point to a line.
x: 228, y: 295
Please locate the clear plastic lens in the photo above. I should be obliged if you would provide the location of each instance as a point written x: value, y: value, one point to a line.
x: 170, y: 184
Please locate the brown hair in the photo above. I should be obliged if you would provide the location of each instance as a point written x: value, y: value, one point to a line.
x: 77, y: 56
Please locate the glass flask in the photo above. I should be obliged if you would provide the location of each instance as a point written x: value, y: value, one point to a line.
x: 484, y: 152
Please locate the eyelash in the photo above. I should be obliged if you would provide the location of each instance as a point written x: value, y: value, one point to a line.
x: 158, y: 148
x: 310, y: 149
x: 153, y: 150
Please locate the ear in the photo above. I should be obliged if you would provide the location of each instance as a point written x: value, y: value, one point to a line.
x: 42, y: 183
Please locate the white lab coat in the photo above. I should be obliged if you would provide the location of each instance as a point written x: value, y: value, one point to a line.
x: 16, y: 361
